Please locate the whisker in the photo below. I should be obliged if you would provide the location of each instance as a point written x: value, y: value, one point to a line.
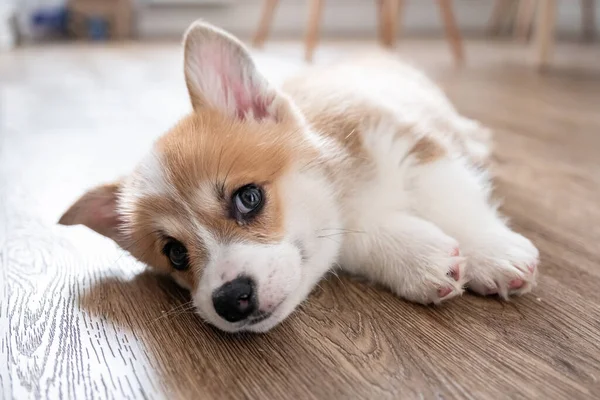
x: 313, y: 163
x: 189, y: 305
x: 337, y: 234
x: 184, y: 310
x: 176, y: 311
x: 327, y: 237
x: 340, y: 229
x: 350, y: 134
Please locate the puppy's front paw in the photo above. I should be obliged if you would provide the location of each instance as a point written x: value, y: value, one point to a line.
x: 437, y: 276
x: 504, y: 263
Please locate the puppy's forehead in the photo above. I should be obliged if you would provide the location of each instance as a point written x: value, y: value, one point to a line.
x: 209, y: 149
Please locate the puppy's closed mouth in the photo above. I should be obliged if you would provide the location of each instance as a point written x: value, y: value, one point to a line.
x: 259, y: 318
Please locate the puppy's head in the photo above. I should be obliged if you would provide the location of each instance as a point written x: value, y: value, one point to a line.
x: 226, y: 202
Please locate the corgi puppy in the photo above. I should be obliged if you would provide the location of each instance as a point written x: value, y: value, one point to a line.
x: 363, y: 166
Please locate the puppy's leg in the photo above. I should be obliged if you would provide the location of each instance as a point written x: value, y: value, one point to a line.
x: 452, y: 195
x: 411, y: 256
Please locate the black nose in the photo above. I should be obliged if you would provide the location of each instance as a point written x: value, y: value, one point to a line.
x: 235, y: 300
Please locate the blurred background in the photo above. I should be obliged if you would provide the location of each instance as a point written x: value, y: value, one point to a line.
x: 31, y: 21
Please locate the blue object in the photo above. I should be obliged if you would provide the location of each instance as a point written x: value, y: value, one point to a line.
x: 50, y: 20
x: 97, y: 28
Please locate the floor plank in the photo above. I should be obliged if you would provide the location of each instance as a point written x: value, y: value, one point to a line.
x: 81, y: 319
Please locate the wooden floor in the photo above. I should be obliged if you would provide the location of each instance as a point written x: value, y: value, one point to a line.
x: 80, y: 319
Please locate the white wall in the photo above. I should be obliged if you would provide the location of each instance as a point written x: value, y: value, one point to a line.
x: 342, y: 18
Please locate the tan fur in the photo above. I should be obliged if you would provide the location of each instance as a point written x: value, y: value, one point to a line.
x: 333, y: 106
x: 343, y: 124
x: 427, y: 150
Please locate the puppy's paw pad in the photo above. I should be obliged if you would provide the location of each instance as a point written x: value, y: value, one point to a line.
x: 446, y: 292
x: 455, y: 272
x: 516, y: 284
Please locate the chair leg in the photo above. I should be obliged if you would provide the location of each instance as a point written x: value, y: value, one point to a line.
x: 498, y: 16
x: 382, y: 28
x: 121, y: 17
x: 266, y: 20
x: 312, y: 33
x: 452, y: 32
x: 588, y: 19
x: 388, y: 19
x: 544, y: 31
x: 524, y: 19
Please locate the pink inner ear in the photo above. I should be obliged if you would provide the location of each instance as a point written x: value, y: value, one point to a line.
x: 248, y: 97
x: 102, y: 215
x: 246, y: 102
x: 105, y: 216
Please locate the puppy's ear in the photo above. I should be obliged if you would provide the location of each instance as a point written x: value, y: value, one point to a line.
x: 221, y: 75
x: 97, y: 209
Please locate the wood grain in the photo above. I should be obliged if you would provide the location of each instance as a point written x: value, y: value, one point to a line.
x: 81, y: 320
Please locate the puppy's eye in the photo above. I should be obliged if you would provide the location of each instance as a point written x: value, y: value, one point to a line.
x: 177, y: 254
x: 248, y: 200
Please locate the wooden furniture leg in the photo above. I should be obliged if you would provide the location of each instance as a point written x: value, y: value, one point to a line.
x: 524, y: 19
x: 544, y: 31
x: 499, y: 11
x: 384, y: 22
x: 312, y: 32
x: 379, y: 4
x: 452, y: 32
x: 381, y: 28
x: 122, y: 15
x: 588, y: 19
x: 266, y: 20
x: 388, y: 20
x: 398, y: 17
x: 496, y: 18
